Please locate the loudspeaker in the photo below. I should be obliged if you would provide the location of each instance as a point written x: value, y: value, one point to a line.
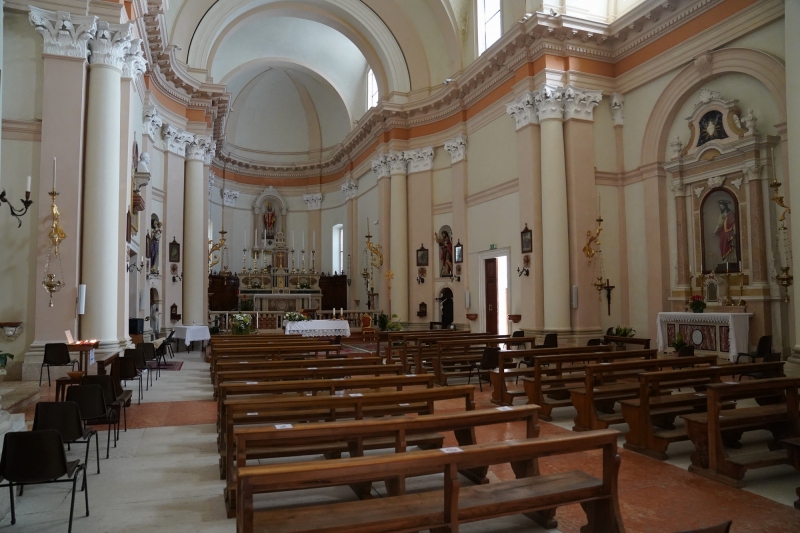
x: 81, y: 299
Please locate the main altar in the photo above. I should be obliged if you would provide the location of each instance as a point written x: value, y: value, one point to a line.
x: 722, y: 334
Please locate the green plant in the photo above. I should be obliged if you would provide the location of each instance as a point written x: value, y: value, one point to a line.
x: 696, y: 303
x: 4, y: 357
x: 294, y: 317
x: 383, y: 321
x: 678, y: 343
x: 624, y: 331
x: 393, y: 325
x: 241, y: 324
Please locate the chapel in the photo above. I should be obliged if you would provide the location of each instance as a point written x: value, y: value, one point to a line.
x: 399, y: 265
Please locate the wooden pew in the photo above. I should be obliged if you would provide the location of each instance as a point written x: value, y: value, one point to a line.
x: 644, y: 343
x: 332, y: 408
x: 455, y: 357
x: 426, y: 350
x: 777, y: 413
x: 445, y: 509
x: 288, y: 374
x: 651, y: 414
x: 356, y: 436
x: 253, y: 390
x: 401, y: 336
x: 271, y: 352
x: 607, y: 383
x: 410, y: 341
x: 555, y: 375
x: 224, y: 366
x: 506, y: 369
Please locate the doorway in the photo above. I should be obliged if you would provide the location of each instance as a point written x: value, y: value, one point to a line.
x: 495, y: 294
x: 446, y: 299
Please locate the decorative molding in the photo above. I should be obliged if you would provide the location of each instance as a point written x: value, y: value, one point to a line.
x: 210, y: 182
x: 397, y: 163
x: 549, y: 102
x: 442, y: 209
x: 751, y: 172
x: 111, y: 44
x: 64, y: 34
x: 676, y: 186
x: 134, y: 63
x: 229, y: 197
x: 177, y: 139
x: 617, y: 106
x: 313, y: 201
x: 457, y: 148
x: 504, y: 189
x: 580, y: 103
x: 198, y: 147
x: 737, y: 183
x: 749, y: 122
x: 676, y: 147
x: 523, y: 110
x: 703, y: 64
x: 350, y: 189
x: 705, y: 96
x: 380, y: 166
x: 419, y: 160
x: 698, y: 191
x: 152, y: 122
x: 715, y: 182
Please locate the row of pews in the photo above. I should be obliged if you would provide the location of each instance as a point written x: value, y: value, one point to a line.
x: 285, y: 397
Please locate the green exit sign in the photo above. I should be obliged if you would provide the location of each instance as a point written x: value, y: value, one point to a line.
x: 491, y: 246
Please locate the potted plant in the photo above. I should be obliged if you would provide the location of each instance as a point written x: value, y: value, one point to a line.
x: 678, y: 343
x: 4, y: 357
x: 241, y: 324
x: 624, y: 331
x: 697, y: 304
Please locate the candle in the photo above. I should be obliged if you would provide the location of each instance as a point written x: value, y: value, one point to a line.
x: 598, y: 204
x: 28, y: 186
x: 367, y: 224
x: 292, y: 239
x: 245, y: 238
x: 314, y: 243
x: 303, y: 236
x: 54, y: 173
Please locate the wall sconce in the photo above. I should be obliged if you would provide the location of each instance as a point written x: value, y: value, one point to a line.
x: 421, y: 272
x: 26, y: 203
x: 131, y: 267
x: 175, y: 276
x: 526, y: 266
x: 11, y: 330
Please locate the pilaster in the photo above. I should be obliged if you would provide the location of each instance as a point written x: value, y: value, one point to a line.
x: 457, y: 148
x: 398, y: 234
x: 420, y: 229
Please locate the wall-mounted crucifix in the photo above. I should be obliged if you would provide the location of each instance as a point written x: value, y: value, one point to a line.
x: 609, y: 287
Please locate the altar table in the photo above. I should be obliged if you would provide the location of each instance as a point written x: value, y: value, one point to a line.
x: 318, y: 328
x: 719, y: 333
x: 192, y: 333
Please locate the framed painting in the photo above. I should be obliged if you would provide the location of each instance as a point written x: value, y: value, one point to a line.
x: 422, y: 257
x: 174, y: 251
x: 458, y: 252
x: 527, y: 240
x: 719, y: 214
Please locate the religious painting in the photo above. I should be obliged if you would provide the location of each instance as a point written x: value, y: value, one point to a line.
x: 719, y: 214
x: 711, y: 128
x: 459, y: 252
x: 527, y: 240
x: 444, y: 238
x: 422, y: 257
x: 174, y: 251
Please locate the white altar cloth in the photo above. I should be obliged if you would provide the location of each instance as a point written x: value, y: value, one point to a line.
x: 738, y: 323
x: 192, y: 333
x: 319, y: 328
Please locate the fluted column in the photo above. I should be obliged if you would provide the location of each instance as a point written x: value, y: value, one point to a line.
x: 420, y: 227
x: 101, y: 270
x: 195, y: 235
x: 63, y: 95
x: 398, y: 235
x: 549, y: 103
x: 457, y: 148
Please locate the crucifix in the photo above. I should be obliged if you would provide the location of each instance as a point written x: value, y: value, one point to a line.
x: 609, y: 287
x: 389, y: 275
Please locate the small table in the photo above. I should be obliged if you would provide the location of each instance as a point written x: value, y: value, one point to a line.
x: 319, y: 328
x: 84, y: 348
x: 192, y: 333
x: 793, y: 450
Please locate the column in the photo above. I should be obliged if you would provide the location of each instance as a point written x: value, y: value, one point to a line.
x: 208, y: 178
x: 420, y: 229
x: 350, y: 191
x: 682, y: 234
x: 314, y: 205
x: 64, y: 111
x: 617, y: 106
x: 398, y: 235
x: 195, y: 235
x: 529, y: 156
x: 457, y: 148
x: 380, y: 235
x: 792, y: 18
x: 549, y: 104
x: 101, y: 271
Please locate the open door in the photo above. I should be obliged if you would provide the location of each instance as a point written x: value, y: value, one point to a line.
x: 491, y: 295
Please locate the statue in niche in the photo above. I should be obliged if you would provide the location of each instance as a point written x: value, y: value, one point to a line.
x: 726, y: 232
x: 445, y: 253
x: 269, y: 221
x: 719, y: 219
x: 155, y: 318
x: 155, y: 238
x: 143, y: 164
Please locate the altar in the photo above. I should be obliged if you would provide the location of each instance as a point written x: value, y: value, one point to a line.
x: 722, y: 334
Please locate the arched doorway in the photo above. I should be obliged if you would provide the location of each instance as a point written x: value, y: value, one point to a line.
x: 445, y: 300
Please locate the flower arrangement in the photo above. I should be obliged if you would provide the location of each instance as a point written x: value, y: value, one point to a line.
x: 697, y: 304
x: 241, y: 324
x: 293, y: 316
x: 4, y: 357
x: 387, y: 324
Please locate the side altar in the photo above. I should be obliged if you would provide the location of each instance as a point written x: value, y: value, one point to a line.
x: 722, y: 334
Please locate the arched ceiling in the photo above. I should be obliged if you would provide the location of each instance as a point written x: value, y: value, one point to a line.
x: 302, y: 64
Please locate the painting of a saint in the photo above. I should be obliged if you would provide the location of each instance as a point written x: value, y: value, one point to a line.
x: 269, y: 221
x: 445, y: 252
x: 720, y: 225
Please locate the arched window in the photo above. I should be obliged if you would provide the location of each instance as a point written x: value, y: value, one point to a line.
x: 337, y: 261
x: 490, y: 26
x: 372, y: 90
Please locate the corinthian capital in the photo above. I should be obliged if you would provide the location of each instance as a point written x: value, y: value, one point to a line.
x: 549, y: 102
x: 420, y: 159
x: 397, y: 163
x: 580, y: 103
x: 176, y: 139
x: 134, y: 62
x: 523, y: 110
x: 64, y: 34
x: 457, y: 148
x: 380, y: 166
x: 111, y: 44
x: 350, y: 189
x: 313, y: 201
x: 197, y: 148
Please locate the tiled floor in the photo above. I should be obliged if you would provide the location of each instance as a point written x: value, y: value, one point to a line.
x: 163, y: 476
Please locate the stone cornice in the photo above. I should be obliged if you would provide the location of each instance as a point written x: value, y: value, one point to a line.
x: 350, y: 189
x: 313, y: 201
x: 617, y: 104
x: 523, y: 110
x: 176, y: 139
x: 499, y: 191
x: 549, y: 102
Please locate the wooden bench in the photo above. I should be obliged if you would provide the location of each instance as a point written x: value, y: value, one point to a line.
x: 793, y: 450
x: 711, y: 431
x: 307, y: 372
x: 555, y: 375
x: 644, y: 343
x: 260, y: 389
x: 506, y: 370
x: 398, y: 339
x: 442, y: 510
x: 608, y: 383
x: 224, y: 366
x: 356, y: 436
x: 275, y: 352
x: 425, y: 351
x: 331, y: 408
x: 455, y: 358
x: 651, y: 414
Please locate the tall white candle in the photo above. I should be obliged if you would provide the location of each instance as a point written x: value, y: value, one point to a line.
x: 303, y: 236
x: 255, y: 237
x: 28, y: 186
x: 244, y: 241
x: 54, y: 173
x: 314, y: 243
x: 292, y: 239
